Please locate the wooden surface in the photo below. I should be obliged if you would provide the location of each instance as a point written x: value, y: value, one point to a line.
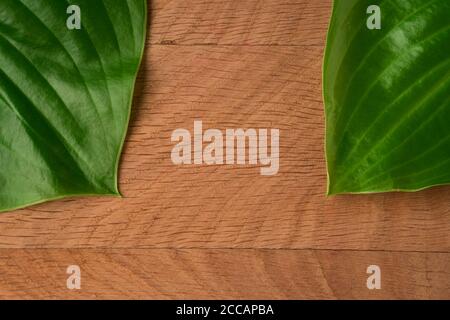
x: 226, y: 231
x: 222, y: 273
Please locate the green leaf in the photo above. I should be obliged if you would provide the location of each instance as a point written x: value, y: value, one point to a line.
x: 65, y: 96
x: 386, y: 95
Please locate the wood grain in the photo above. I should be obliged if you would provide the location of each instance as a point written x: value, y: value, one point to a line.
x: 215, y: 274
x: 232, y: 206
x: 244, y: 22
x: 231, y: 64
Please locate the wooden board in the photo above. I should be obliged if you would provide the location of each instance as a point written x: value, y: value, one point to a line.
x: 221, y: 273
x: 231, y: 64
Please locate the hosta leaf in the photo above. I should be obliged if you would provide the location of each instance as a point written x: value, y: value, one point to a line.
x: 65, y: 96
x: 386, y: 95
